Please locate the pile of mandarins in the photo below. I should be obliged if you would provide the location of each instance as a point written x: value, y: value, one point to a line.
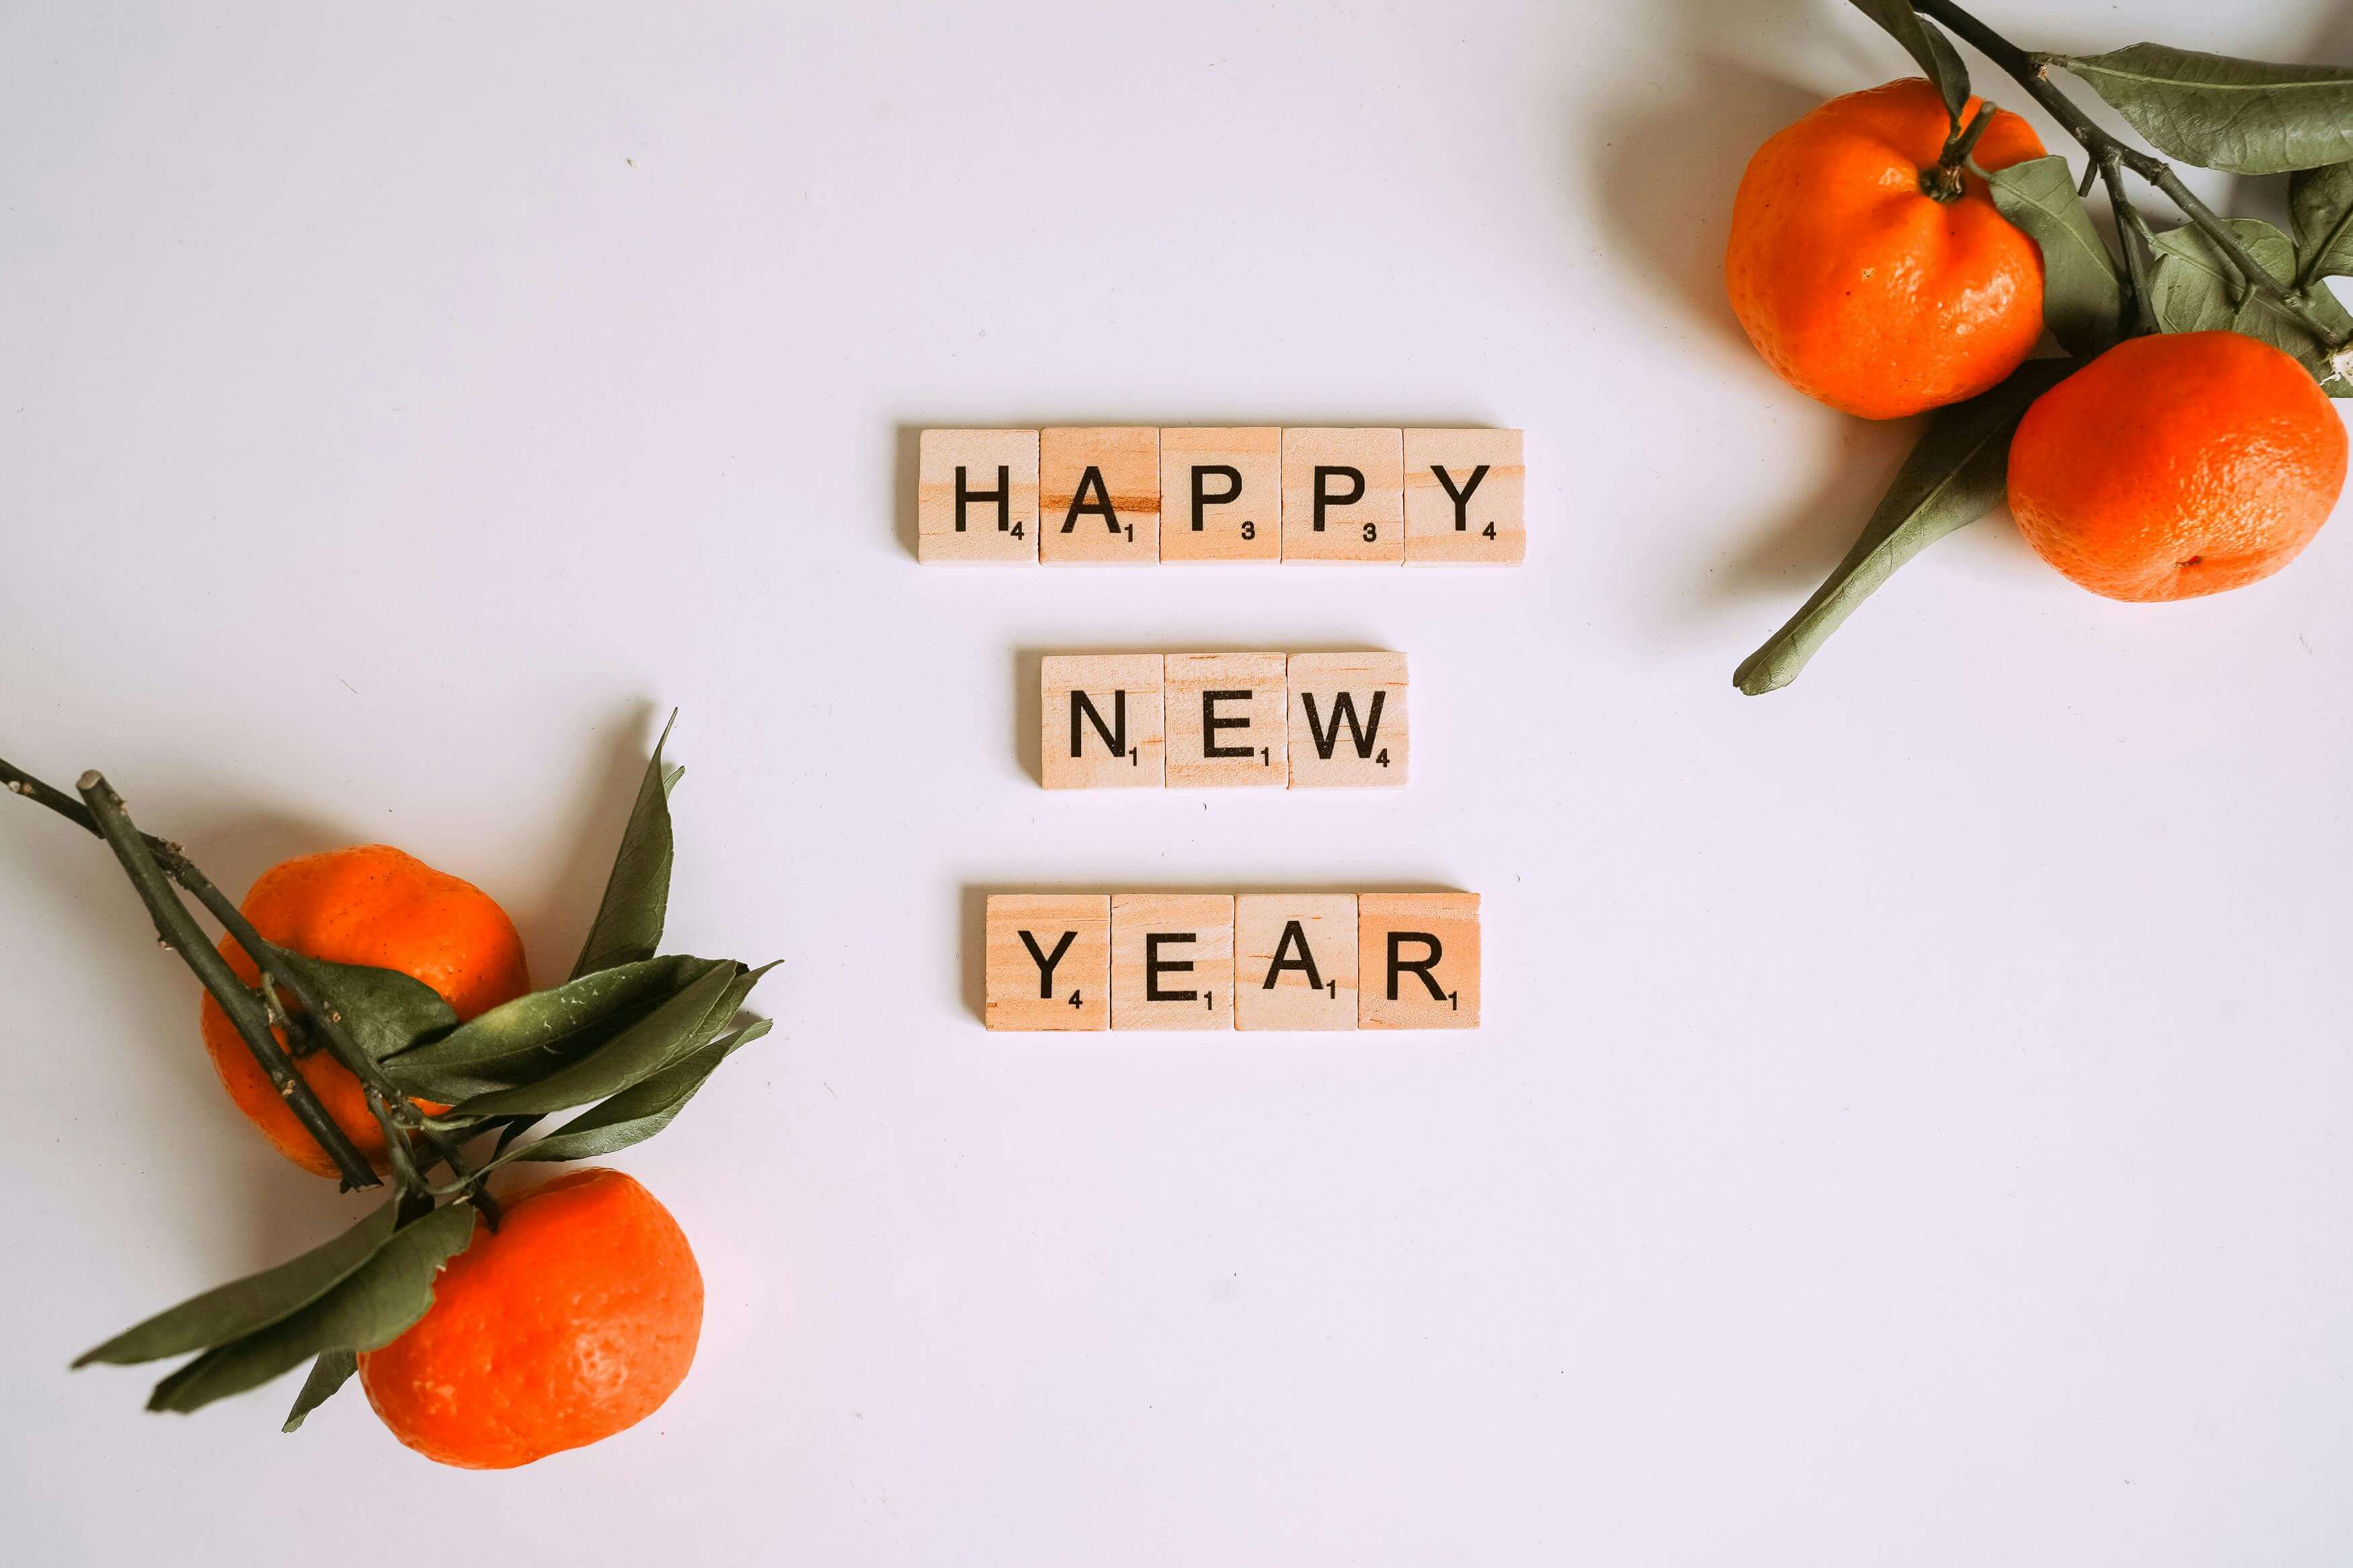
x: 1902, y: 249
x: 374, y: 1018
x: 575, y: 1319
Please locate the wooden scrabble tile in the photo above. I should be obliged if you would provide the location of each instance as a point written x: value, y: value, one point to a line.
x: 1348, y: 721
x: 1465, y: 497
x: 1100, y: 722
x: 976, y: 496
x: 1172, y: 961
x: 1225, y: 720
x: 1221, y: 494
x: 1417, y: 960
x: 1047, y: 961
x: 1296, y: 961
x: 1099, y: 493
x: 1344, y: 495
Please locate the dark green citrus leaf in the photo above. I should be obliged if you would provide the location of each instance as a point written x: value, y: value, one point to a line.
x: 384, y: 1010
x: 510, y: 1128
x: 2083, y: 302
x: 244, y: 1305
x: 328, y: 1374
x: 628, y: 924
x: 637, y: 1114
x: 368, y: 1308
x: 1929, y: 48
x: 2242, y: 116
x: 1954, y: 475
x: 679, y: 1028
x: 2196, y: 289
x: 2192, y: 288
x: 533, y: 1035
x: 2320, y: 201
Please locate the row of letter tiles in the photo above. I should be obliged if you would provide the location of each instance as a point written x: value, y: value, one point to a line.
x: 1223, y: 961
x: 1210, y: 720
x: 1138, y: 494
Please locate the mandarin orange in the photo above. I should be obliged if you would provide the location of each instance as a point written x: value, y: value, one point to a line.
x: 573, y: 1321
x: 2178, y: 465
x: 371, y: 905
x: 1860, y: 286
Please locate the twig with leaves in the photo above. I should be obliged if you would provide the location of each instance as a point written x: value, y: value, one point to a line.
x: 2212, y: 273
x: 630, y: 1038
x: 151, y: 863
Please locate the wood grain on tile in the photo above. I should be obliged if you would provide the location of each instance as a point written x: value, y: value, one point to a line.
x: 1417, y: 960
x: 1348, y: 721
x: 1344, y: 495
x: 1296, y: 961
x: 1465, y: 497
x: 1225, y: 720
x: 1047, y: 961
x: 1221, y: 494
x: 1100, y: 722
x: 1172, y: 961
x: 1099, y: 493
x: 976, y: 496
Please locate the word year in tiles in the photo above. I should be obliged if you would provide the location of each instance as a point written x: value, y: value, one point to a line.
x: 1264, y: 962
x: 1213, y: 720
x: 1108, y: 495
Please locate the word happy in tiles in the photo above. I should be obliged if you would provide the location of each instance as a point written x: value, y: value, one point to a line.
x: 1110, y: 495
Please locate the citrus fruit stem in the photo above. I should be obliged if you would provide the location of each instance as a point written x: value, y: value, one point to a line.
x: 180, y: 932
x: 2032, y: 72
x: 391, y: 1108
x: 155, y: 864
x: 1942, y: 182
x: 2133, y: 234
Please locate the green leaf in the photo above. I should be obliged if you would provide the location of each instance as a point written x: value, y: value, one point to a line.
x: 328, y: 1374
x: 1929, y: 48
x: 384, y: 1010
x: 531, y: 1036
x: 2196, y: 289
x: 510, y: 1128
x: 679, y: 1028
x: 369, y: 1307
x: 2320, y: 202
x: 246, y: 1305
x: 1954, y: 475
x: 628, y: 924
x: 2242, y: 116
x: 637, y: 1114
x: 2083, y: 302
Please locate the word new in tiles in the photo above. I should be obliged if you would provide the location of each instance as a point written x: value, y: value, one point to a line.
x: 1222, y: 960
x: 1209, y: 720
x: 1135, y: 494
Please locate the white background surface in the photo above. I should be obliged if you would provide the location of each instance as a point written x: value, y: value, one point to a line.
x: 1911, y: 1122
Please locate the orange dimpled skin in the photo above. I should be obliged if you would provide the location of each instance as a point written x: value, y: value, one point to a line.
x: 371, y: 905
x: 1858, y: 286
x: 2178, y: 465
x: 573, y: 1321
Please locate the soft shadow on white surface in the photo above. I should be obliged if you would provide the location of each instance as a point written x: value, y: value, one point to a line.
x: 1665, y: 166
x: 266, y: 1209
